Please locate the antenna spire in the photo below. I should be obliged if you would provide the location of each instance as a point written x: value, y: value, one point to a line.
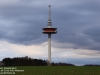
x: 49, y: 11
x: 49, y: 20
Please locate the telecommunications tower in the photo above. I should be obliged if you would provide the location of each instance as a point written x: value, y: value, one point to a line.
x: 49, y: 30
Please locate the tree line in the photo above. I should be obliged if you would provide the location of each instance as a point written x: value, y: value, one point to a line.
x: 27, y: 61
x: 23, y: 61
x: 91, y: 65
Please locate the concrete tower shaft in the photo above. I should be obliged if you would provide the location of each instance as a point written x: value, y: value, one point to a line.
x: 49, y: 49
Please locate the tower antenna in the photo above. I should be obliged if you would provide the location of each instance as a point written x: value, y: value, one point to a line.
x: 50, y: 11
x: 49, y: 19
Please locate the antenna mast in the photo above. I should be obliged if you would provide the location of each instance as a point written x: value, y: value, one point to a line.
x: 49, y: 11
x: 49, y: 20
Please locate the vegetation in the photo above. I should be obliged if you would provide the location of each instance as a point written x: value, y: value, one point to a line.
x: 30, y: 66
x: 58, y: 70
x: 27, y: 61
x: 91, y: 65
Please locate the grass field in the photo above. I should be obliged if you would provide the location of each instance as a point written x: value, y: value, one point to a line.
x: 54, y: 70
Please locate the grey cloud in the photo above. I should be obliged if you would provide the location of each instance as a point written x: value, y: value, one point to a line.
x: 75, y: 22
x: 26, y: 27
x: 71, y: 21
x: 94, y: 31
x: 93, y: 34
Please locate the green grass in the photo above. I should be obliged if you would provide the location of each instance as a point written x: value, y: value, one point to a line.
x: 57, y: 70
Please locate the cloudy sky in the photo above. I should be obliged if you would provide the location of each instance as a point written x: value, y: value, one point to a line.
x: 77, y: 22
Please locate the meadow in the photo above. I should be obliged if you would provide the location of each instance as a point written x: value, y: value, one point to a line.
x: 53, y: 70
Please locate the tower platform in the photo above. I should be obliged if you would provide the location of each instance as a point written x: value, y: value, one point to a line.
x: 49, y: 30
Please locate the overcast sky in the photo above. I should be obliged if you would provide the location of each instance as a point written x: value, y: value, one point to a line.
x: 78, y: 30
